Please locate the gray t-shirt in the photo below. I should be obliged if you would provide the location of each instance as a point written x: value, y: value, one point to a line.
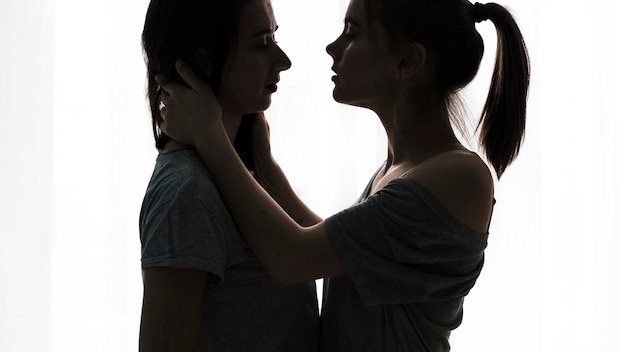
x: 409, y: 264
x: 184, y: 224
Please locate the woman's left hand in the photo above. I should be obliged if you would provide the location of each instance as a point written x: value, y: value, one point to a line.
x: 190, y: 114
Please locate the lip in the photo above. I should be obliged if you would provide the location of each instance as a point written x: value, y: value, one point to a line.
x: 335, y: 76
x: 272, y: 86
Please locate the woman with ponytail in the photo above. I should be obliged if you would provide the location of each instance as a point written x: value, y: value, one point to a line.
x: 399, y: 263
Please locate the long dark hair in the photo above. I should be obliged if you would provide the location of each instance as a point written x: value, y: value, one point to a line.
x: 447, y: 29
x: 200, y: 32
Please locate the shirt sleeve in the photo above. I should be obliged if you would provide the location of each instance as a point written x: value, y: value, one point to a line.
x: 400, y: 245
x: 187, y: 234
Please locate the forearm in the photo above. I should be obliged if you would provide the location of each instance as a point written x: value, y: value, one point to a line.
x: 289, y: 252
x: 273, y: 235
x: 276, y: 184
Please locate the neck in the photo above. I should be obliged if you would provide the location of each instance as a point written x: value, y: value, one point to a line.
x: 231, y: 126
x: 416, y: 131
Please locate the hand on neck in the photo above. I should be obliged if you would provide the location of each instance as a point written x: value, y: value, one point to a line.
x: 231, y: 125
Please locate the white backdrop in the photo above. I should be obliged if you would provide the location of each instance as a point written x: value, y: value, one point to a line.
x: 77, y: 155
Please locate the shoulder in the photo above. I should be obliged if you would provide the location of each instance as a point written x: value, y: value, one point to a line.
x: 180, y: 186
x: 184, y: 163
x: 454, y: 167
x: 182, y: 172
x: 462, y: 183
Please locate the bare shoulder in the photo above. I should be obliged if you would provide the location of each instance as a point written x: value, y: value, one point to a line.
x: 462, y: 183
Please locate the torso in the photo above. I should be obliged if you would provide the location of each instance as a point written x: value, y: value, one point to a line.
x: 182, y: 192
x: 364, y: 311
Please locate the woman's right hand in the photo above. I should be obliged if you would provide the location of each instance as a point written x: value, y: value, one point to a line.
x: 190, y: 114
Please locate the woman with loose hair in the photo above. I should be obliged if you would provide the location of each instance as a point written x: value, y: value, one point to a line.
x: 399, y: 262
x: 204, y: 290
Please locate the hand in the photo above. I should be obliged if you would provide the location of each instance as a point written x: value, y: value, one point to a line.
x: 190, y: 114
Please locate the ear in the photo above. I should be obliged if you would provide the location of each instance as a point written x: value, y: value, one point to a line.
x: 202, y: 60
x: 413, y: 61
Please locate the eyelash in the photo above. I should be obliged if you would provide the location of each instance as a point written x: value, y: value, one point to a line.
x: 266, y: 44
x: 347, y: 34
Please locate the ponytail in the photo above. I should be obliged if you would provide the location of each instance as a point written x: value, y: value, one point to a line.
x: 448, y: 29
x: 503, y: 118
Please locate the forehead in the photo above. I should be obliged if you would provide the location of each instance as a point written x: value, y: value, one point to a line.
x: 256, y: 16
x: 357, y: 11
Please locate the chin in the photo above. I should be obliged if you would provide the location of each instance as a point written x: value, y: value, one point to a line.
x: 259, y: 106
x: 338, y: 98
x: 265, y: 106
x: 267, y: 102
x: 343, y: 96
x: 359, y: 104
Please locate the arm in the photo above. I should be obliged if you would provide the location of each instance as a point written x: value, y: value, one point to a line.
x: 289, y: 252
x: 274, y: 180
x: 172, y: 308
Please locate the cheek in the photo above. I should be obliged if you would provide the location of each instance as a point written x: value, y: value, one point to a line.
x: 357, y: 63
x: 245, y: 91
x: 356, y: 71
x: 239, y: 77
x: 363, y: 82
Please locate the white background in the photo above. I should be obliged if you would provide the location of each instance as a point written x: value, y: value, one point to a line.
x: 76, y: 156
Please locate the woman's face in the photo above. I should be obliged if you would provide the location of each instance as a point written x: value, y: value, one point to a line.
x: 255, y: 61
x: 362, y: 60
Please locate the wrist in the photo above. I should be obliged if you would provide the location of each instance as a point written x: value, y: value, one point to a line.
x: 211, y: 137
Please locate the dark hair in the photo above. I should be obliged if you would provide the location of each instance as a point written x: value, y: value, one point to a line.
x: 183, y: 29
x: 447, y: 29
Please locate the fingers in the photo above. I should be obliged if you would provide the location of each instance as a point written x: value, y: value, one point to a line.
x: 167, y: 88
x: 164, y: 85
x: 163, y: 111
x: 164, y: 97
x: 186, y: 73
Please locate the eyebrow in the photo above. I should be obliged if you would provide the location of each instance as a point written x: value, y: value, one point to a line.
x: 352, y: 21
x: 264, y: 32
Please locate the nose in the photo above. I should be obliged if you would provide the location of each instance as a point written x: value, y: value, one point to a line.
x: 331, y: 49
x: 282, y: 61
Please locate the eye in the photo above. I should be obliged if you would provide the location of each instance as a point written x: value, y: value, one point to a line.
x: 348, y: 32
x: 266, y: 42
x: 263, y: 44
